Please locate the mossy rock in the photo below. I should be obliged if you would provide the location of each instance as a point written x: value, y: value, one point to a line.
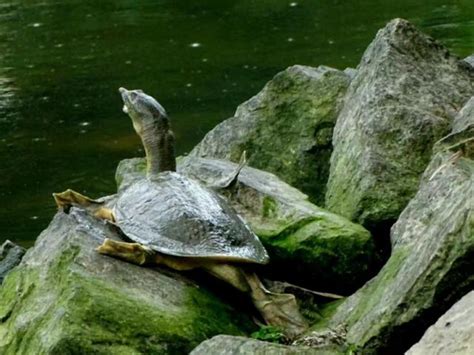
x: 286, y: 128
x: 432, y: 256
x: 404, y: 97
x: 65, y: 298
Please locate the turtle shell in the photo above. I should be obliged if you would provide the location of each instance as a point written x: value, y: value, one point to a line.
x: 175, y: 215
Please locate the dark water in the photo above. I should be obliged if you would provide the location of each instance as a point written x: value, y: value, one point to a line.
x: 61, y: 63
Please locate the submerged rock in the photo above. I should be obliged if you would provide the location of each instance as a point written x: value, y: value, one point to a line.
x: 432, y: 258
x: 10, y: 256
x: 286, y: 129
x: 404, y: 97
x: 232, y: 345
x: 66, y: 298
x: 307, y: 244
x: 452, y: 334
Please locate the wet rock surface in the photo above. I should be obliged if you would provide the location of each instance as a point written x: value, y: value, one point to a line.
x: 286, y: 129
x: 67, y: 298
x: 452, y: 334
x: 404, y: 97
x: 10, y: 256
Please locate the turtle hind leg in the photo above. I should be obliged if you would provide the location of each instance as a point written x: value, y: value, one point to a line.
x: 66, y: 199
x: 277, y: 309
x: 134, y: 253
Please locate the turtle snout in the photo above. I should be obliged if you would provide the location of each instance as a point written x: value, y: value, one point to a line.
x: 125, y: 97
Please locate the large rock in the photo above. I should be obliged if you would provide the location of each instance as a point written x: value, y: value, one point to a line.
x: 307, y: 244
x: 404, y: 97
x: 432, y: 258
x: 286, y: 128
x: 231, y: 345
x: 452, y: 334
x: 10, y: 256
x: 65, y: 298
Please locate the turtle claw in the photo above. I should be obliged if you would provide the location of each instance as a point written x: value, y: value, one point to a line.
x: 62, y: 203
x: 147, y: 250
x: 66, y: 199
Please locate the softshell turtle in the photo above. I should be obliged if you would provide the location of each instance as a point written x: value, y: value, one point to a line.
x: 176, y: 221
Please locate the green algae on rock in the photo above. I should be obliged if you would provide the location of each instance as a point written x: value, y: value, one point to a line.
x: 432, y: 259
x: 404, y: 97
x: 66, y: 298
x: 286, y: 129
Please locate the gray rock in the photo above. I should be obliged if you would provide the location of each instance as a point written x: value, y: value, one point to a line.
x: 231, y: 345
x: 470, y: 60
x: 351, y: 72
x: 307, y: 244
x: 404, y: 98
x: 465, y: 117
x: 10, y: 256
x: 65, y: 298
x: 432, y: 257
x: 286, y: 129
x: 452, y: 334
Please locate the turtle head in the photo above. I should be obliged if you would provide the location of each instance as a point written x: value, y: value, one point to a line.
x: 144, y: 110
x: 151, y: 123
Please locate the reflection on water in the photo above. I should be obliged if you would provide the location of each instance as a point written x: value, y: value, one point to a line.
x: 61, y: 63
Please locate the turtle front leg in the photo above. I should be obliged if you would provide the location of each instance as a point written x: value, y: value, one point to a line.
x: 66, y: 199
x: 134, y: 253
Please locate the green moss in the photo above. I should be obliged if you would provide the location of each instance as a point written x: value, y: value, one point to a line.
x: 325, y: 314
x: 270, y: 334
x: 269, y: 207
x: 303, y: 103
x: 82, y: 314
x: 372, y: 294
x: 316, y: 244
